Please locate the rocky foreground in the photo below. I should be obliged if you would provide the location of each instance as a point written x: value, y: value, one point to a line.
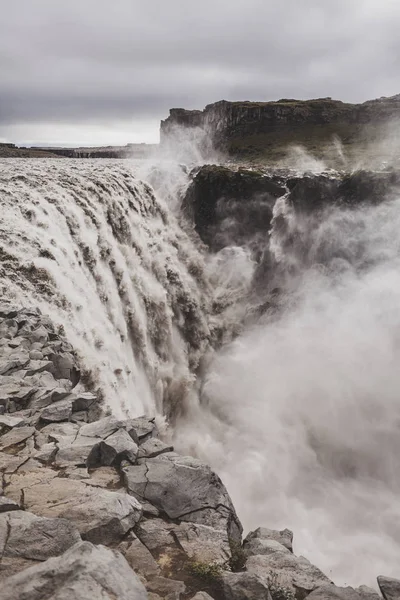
x: 93, y: 508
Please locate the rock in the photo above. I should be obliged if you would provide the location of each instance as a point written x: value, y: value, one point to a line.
x: 11, y: 566
x: 156, y: 535
x: 8, y: 328
x: 139, y: 557
x: 184, y: 488
x: 12, y: 421
x: 82, y: 451
x: 38, y: 366
x: 141, y: 429
x: 59, y: 411
x: 61, y: 432
x: 47, y: 453
x: 36, y: 538
x: 39, y: 335
x: 202, y: 543
x: 82, y: 401
x: 117, y: 447
x: 245, y: 586
x: 202, y: 596
x: 101, y: 516
x: 332, y: 592
x: 101, y: 428
x: 166, y: 588
x: 35, y: 355
x: 84, y: 572
x: 11, y: 364
x: 294, y: 573
x: 6, y: 505
x: 255, y: 541
x: 16, y: 436
x: 64, y: 367
x: 153, y: 447
x: 105, y: 477
x: 389, y: 587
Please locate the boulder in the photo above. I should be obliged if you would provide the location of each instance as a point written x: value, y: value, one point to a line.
x: 332, y: 592
x: 389, y: 587
x: 58, y: 411
x: 117, y: 447
x: 84, y: 572
x: 141, y: 428
x: 184, y: 488
x: 202, y: 596
x: 15, y: 420
x: 293, y: 573
x: 255, y: 540
x: 102, y: 428
x: 153, y: 447
x: 36, y: 538
x: 16, y: 436
x: 166, y: 588
x: 139, y: 557
x: 245, y: 586
x: 101, y: 516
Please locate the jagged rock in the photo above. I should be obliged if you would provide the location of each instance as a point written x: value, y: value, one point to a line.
x: 101, y: 516
x: 13, y: 363
x: 332, y: 592
x: 6, y: 505
x: 84, y: 572
x: 8, y: 328
x: 166, y: 588
x: 47, y: 453
x: 139, y: 557
x: 15, y: 389
x: 11, y: 566
x: 156, y: 535
x: 61, y: 432
x: 261, y: 541
x: 296, y: 574
x: 82, y: 401
x: 245, y: 586
x: 153, y: 447
x: 58, y: 411
x: 16, y: 436
x: 12, y: 421
x: 105, y: 477
x: 101, y: 428
x: 202, y: 596
x: 202, y: 543
x: 117, y: 447
x: 38, y: 366
x: 141, y: 429
x: 389, y: 587
x: 36, y: 538
x: 65, y: 367
x: 184, y: 488
x: 83, y: 451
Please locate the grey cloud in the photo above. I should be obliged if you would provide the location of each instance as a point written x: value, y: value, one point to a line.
x: 96, y: 60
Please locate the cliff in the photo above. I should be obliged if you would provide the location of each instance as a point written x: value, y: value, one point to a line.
x: 265, y: 129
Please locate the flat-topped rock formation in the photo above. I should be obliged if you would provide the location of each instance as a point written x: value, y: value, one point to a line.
x: 265, y: 129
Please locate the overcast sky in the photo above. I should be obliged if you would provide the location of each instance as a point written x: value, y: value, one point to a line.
x: 106, y: 71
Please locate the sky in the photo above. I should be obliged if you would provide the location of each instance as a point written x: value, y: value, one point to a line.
x: 96, y: 72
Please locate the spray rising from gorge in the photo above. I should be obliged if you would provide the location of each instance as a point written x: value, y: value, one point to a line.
x: 275, y: 360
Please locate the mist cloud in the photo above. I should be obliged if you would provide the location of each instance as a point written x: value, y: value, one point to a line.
x: 97, y: 62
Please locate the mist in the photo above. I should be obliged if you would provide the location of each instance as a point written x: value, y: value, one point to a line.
x: 300, y: 414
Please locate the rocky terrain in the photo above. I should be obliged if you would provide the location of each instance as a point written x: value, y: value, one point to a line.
x: 263, y: 131
x: 128, y: 151
x: 92, y: 507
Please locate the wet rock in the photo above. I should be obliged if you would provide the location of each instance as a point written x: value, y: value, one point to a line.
x: 184, y: 488
x: 245, y: 586
x: 294, y: 573
x: 256, y: 540
x: 101, y: 516
x: 59, y: 411
x: 166, y: 588
x: 36, y: 538
x: 84, y: 572
x: 82, y: 401
x: 389, y: 587
x: 65, y: 367
x: 153, y: 447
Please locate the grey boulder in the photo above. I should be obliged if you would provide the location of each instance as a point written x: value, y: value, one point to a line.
x: 245, y: 586
x: 84, y: 572
x: 389, y: 587
x: 332, y: 592
x: 257, y: 542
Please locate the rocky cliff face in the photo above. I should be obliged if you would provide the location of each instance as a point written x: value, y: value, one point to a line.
x: 251, y: 128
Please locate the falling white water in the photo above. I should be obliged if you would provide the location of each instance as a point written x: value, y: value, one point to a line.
x: 300, y: 415
x: 96, y: 250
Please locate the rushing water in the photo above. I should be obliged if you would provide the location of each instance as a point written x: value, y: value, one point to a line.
x: 300, y: 413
